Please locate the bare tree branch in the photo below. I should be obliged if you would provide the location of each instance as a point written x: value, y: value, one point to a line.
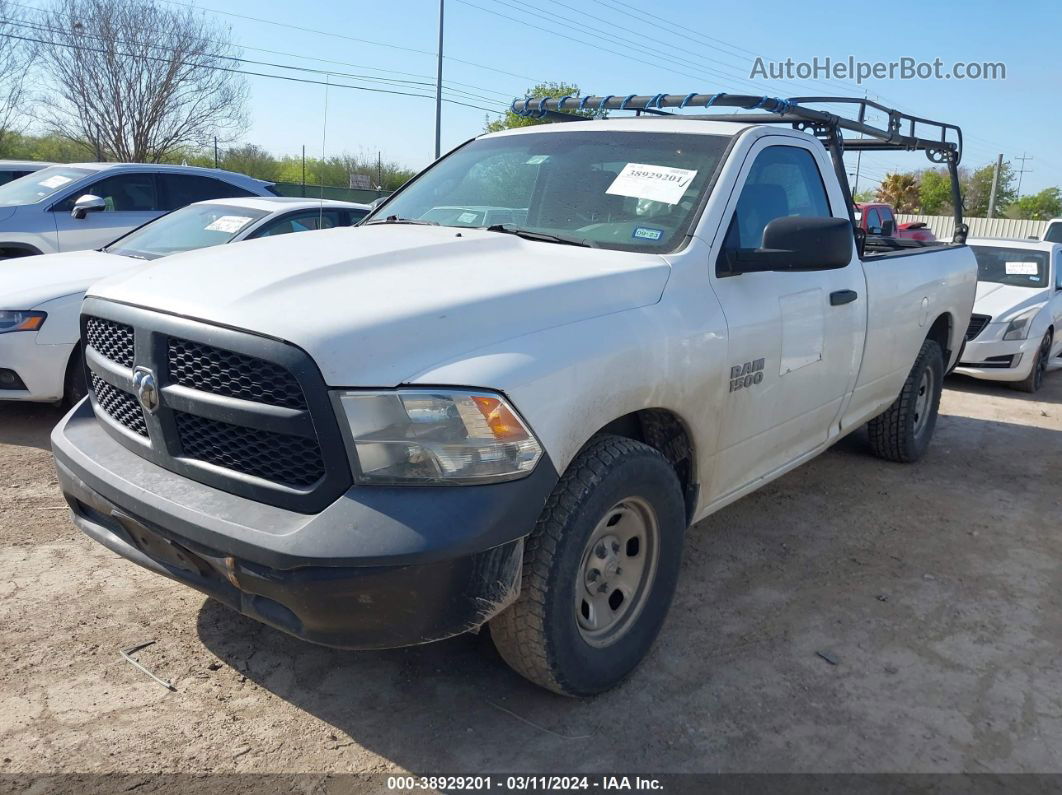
x: 16, y: 60
x: 139, y: 78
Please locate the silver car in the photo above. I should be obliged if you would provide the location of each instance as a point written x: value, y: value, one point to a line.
x: 87, y: 205
x: 13, y: 169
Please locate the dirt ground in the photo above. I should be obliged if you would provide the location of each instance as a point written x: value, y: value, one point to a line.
x: 935, y: 591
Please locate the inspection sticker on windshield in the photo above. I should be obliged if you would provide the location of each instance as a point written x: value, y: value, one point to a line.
x: 534, y: 160
x: 1021, y: 269
x: 656, y: 183
x: 56, y: 181
x: 228, y: 223
x: 467, y: 218
x: 647, y: 233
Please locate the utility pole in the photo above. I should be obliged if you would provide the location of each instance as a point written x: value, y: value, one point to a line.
x: 304, y: 170
x: 995, y: 187
x: 215, y: 151
x: 438, y: 87
x: 379, y: 173
x: 1023, y: 169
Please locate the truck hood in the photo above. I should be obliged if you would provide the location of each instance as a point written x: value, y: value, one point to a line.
x: 376, y: 305
x: 1003, y: 301
x: 27, y: 282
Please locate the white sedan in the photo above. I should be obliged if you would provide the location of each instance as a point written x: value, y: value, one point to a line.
x: 1015, y: 332
x: 40, y: 297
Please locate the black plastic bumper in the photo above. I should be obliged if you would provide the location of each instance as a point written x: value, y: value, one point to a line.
x: 380, y: 567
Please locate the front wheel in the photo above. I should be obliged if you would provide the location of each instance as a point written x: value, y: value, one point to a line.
x: 1035, y: 379
x: 74, y: 386
x: 599, y: 572
x: 903, y: 431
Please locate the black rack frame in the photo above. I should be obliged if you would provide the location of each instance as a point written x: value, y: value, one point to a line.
x: 942, y: 142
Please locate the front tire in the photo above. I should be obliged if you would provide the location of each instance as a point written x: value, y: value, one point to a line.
x: 74, y: 386
x: 600, y: 569
x: 1035, y: 379
x: 903, y: 431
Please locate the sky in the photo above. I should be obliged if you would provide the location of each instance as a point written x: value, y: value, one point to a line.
x: 496, y: 49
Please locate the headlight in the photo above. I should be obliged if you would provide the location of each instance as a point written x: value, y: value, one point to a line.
x: 1019, y: 327
x: 18, y: 320
x: 437, y: 435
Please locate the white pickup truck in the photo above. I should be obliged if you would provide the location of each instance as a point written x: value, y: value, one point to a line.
x: 391, y: 434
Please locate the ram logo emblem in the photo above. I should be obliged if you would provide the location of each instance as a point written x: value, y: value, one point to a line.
x: 146, y: 391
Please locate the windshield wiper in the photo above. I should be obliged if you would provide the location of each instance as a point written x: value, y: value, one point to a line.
x: 394, y: 219
x: 545, y: 237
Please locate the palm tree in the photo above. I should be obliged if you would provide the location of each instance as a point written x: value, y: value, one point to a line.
x: 899, y: 190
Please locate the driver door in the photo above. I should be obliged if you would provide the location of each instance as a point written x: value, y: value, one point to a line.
x: 794, y: 337
x: 131, y: 201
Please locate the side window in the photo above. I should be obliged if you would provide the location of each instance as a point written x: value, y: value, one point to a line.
x: 874, y: 226
x: 1058, y: 271
x: 356, y: 215
x: 299, y: 222
x: 179, y: 190
x: 783, y: 181
x: 121, y: 193
x: 888, y: 222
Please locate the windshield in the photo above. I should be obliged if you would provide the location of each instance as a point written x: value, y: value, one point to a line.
x: 1019, y: 267
x: 1054, y: 232
x: 39, y: 185
x: 195, y: 226
x: 633, y: 191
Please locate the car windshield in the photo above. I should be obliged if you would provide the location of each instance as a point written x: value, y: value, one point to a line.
x: 1020, y: 267
x: 632, y: 191
x: 1054, y: 232
x: 39, y: 185
x: 195, y: 226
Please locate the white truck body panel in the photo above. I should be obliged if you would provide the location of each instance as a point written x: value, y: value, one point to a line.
x: 578, y: 337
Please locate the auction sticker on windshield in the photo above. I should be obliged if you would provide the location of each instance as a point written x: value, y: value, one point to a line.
x: 228, y: 223
x: 56, y: 181
x: 656, y: 183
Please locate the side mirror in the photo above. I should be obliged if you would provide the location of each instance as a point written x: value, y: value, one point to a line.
x: 888, y: 229
x: 797, y: 243
x: 87, y: 204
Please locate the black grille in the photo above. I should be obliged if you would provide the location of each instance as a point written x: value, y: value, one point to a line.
x: 231, y: 374
x: 111, y: 340
x: 119, y: 405
x: 977, y: 325
x: 291, y: 460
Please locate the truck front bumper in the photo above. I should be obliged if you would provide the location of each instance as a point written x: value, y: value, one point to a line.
x: 381, y: 567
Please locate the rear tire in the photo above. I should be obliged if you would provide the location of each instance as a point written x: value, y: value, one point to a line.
x: 599, y: 571
x: 1035, y: 379
x: 903, y: 431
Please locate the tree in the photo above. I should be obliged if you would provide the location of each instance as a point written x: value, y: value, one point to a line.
x: 977, y: 189
x: 899, y: 190
x: 509, y: 119
x: 1043, y: 206
x: 138, y: 78
x: 16, y: 60
x: 252, y: 160
x: 934, y: 192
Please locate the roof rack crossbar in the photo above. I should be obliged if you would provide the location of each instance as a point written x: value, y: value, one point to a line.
x: 902, y: 131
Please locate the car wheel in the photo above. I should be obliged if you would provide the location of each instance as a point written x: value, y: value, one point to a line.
x: 1035, y: 379
x: 903, y: 431
x: 599, y: 570
x: 74, y: 386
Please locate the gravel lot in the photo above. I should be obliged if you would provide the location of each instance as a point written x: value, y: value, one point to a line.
x: 935, y: 591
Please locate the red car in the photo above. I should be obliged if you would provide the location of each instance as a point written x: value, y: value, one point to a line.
x: 878, y: 220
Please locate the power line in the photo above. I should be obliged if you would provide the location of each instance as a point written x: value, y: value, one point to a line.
x: 249, y: 73
x: 426, y: 79
x: 289, y: 26
x: 584, y: 43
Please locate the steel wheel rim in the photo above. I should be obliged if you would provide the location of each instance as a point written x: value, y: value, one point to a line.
x: 617, y: 571
x: 923, y: 401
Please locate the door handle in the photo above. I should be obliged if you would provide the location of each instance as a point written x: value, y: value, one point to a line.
x: 839, y: 297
